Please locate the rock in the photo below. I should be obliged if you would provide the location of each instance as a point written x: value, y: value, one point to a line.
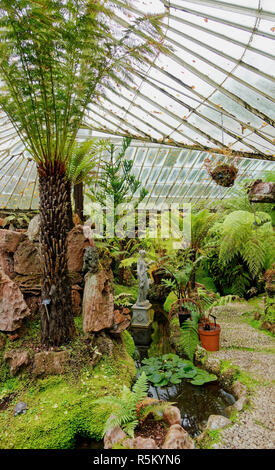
x: 140, y: 443
x: 217, y: 422
x: 171, y: 415
x: 17, y: 360
x: 238, y: 389
x: 98, y: 302
x: 77, y: 242
x: 13, y: 308
x: 112, y: 436
x: 76, y: 301
x: 261, y: 191
x: 33, y: 232
x: 10, y: 239
x: 238, y: 406
x: 20, y: 408
x: 227, y: 378
x: 27, y: 258
x: 50, y: 362
x: 122, y: 321
x: 104, y: 344
x: 213, y: 365
x: 178, y: 438
x: 6, y: 263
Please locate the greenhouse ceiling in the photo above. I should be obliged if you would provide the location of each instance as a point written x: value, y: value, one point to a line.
x: 212, y: 95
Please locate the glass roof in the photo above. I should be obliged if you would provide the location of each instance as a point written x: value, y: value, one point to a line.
x: 214, y: 91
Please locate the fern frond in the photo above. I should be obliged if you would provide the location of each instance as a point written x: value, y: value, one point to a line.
x: 189, y: 339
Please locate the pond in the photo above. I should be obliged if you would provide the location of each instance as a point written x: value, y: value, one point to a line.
x: 196, y: 403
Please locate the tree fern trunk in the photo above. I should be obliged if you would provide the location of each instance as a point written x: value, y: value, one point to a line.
x: 57, y: 324
x: 78, y: 200
x: 70, y: 223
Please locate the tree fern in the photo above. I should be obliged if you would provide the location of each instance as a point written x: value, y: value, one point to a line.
x: 248, y: 235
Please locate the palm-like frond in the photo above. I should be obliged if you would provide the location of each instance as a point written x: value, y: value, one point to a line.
x: 248, y: 235
x: 83, y: 159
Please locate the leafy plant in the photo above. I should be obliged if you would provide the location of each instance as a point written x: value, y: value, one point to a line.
x: 249, y: 236
x: 124, y: 408
x: 171, y: 369
x: 124, y: 300
x: 57, y: 58
x: 15, y: 219
x: 115, y: 179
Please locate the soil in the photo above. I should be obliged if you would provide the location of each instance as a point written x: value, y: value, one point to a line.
x: 4, y: 403
x: 156, y: 430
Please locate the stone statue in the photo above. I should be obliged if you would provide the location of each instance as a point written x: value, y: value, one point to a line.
x: 90, y: 260
x: 143, y: 280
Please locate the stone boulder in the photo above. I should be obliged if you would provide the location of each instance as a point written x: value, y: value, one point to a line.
x: 50, y: 363
x: 10, y: 239
x: 77, y: 242
x: 27, y: 258
x: 261, y: 191
x: 140, y: 443
x: 76, y: 300
x: 171, y: 415
x: 6, y: 263
x: 13, y: 308
x: 122, y: 321
x: 112, y: 436
x: 98, y: 302
x: 217, y: 422
x: 33, y: 231
x: 178, y: 438
x: 17, y: 360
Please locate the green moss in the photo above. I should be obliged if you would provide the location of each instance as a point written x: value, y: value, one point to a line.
x: 128, y: 343
x: 257, y: 324
x: 61, y: 407
x: 171, y: 298
x: 209, y: 439
x: 133, y: 290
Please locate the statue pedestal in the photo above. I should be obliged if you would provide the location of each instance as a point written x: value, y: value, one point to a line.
x: 142, y: 315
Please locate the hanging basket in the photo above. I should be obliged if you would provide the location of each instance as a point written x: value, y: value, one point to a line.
x: 223, y: 174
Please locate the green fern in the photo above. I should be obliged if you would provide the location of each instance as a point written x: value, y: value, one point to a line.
x: 124, y: 408
x: 189, y: 339
x: 250, y: 236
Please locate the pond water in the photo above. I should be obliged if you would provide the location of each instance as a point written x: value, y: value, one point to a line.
x: 196, y: 403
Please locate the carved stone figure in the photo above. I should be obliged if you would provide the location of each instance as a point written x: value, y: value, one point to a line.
x: 143, y: 280
x: 90, y: 260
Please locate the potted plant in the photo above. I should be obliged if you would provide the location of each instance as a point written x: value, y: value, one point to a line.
x: 179, y: 283
x: 209, y: 333
x: 223, y: 174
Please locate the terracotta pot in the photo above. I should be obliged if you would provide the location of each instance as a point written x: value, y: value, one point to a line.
x: 210, y: 339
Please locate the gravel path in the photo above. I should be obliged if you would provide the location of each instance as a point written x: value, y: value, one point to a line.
x: 254, y: 353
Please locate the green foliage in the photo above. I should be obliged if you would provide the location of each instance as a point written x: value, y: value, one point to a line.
x: 249, y: 236
x: 171, y: 369
x: 189, y: 338
x: 128, y: 343
x: 60, y: 407
x: 116, y: 180
x: 17, y: 220
x: 124, y: 408
x: 83, y: 159
x: 55, y: 59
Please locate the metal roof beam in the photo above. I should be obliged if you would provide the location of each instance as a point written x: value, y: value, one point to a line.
x: 266, y: 15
